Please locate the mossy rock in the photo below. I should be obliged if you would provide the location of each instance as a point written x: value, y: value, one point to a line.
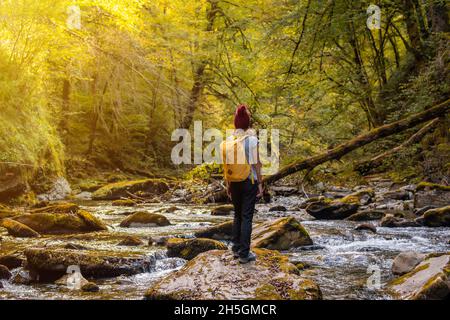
x: 334, y: 210
x: 190, y: 248
x: 118, y: 190
x: 280, y: 234
x: 221, y: 231
x: 392, y: 221
x: 62, y: 223
x: 7, y: 214
x: 12, y: 261
x: 359, y: 197
x: 223, y: 210
x: 439, y: 217
x: 214, y: 275
x: 429, y: 280
x: 432, y: 186
x: 145, y: 219
x: 51, y: 264
x: 57, y: 208
x: 131, y: 241
x: 18, y: 229
x: 124, y: 203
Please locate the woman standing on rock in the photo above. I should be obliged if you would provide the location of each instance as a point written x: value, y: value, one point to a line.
x: 243, y: 180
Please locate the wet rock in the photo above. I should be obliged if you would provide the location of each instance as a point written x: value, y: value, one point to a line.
x: 60, y: 190
x: 429, y: 280
x: 222, y: 210
x: 62, y: 223
x: 277, y: 208
x: 190, y: 248
x: 85, y: 195
x: 341, y: 208
x: 283, y: 191
x: 398, y: 195
x: 367, y: 226
x: 280, y: 234
x: 123, y: 189
x: 421, y: 211
x: 18, y: 229
x: 216, y: 275
x: 392, y: 221
x: 429, y: 194
x: 171, y: 209
x: 90, y: 287
x: 74, y: 281
x: 75, y: 246
x: 124, y: 203
x: 22, y: 278
x: 5, y: 274
x: 7, y: 213
x: 439, y: 217
x: 159, y: 241
x: 406, y: 261
x: 144, y: 219
x: 366, y: 215
x: 222, y: 231
x: 131, y: 241
x: 11, y: 261
x: 51, y: 264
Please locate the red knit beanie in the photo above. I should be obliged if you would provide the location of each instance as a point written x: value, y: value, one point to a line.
x: 241, y: 118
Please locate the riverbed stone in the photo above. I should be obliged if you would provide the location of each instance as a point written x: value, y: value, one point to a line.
x: 62, y: 223
x: 118, y: 190
x: 429, y: 280
x: 131, y: 241
x: 216, y: 275
x: 145, y: 219
x: 280, y: 234
x: 439, y: 217
x: 66, y: 207
x: 221, y: 231
x: 18, y: 229
x: 190, y: 248
x: 392, y: 221
x: 277, y: 208
x: 223, y: 210
x: 430, y: 194
x: 366, y: 215
x: 90, y: 287
x: 5, y: 274
x: 406, y: 261
x: 366, y: 226
x: 124, y: 203
x: 52, y: 263
x: 11, y: 261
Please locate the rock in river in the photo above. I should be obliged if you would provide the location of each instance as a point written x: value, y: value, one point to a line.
x: 190, y: 248
x: 406, y: 261
x: 118, y: 190
x: 429, y: 280
x: 18, y: 229
x: 439, y: 217
x: 366, y: 215
x: 222, y: 210
x: 145, y: 219
x: 280, y: 234
x: 51, y: 264
x: 341, y: 208
x: 62, y: 223
x: 431, y: 194
x: 221, y: 231
x: 217, y: 275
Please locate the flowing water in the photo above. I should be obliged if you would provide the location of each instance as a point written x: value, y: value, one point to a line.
x: 345, y: 263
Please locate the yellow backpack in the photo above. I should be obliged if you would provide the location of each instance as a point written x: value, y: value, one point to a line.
x: 235, y: 166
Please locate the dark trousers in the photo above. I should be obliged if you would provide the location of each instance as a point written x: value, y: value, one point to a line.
x: 243, y: 196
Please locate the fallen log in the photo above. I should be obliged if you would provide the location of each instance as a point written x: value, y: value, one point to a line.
x: 364, y: 167
x: 355, y: 143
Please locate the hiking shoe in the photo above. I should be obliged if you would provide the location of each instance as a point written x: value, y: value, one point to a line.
x: 251, y: 257
x: 235, y: 254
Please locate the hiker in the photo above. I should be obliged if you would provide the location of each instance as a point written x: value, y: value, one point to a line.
x: 243, y: 181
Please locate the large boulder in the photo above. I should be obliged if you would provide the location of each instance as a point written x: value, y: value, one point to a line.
x: 51, y: 264
x: 145, y: 219
x: 340, y: 208
x: 406, y: 261
x: 118, y: 190
x: 190, y: 248
x: 366, y: 215
x: 430, y: 194
x: 429, y: 280
x: 80, y: 221
x: 221, y: 231
x: 392, y: 221
x: 216, y: 275
x: 439, y: 217
x: 18, y: 229
x: 280, y: 234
